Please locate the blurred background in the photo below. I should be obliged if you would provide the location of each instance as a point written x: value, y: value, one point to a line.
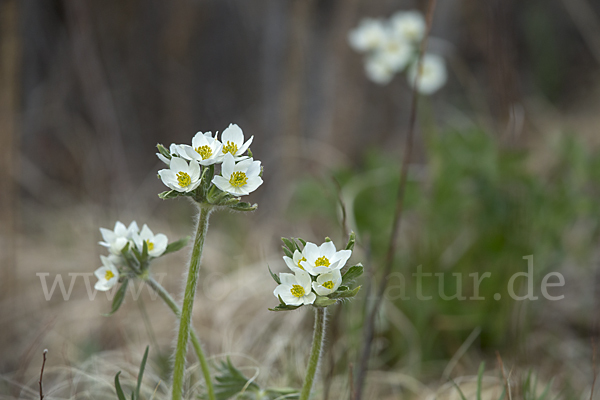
x: 506, y: 164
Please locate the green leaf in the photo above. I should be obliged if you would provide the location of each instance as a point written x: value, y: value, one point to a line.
x: 141, y: 374
x: 119, y: 297
x: 144, y: 252
x: 323, y: 301
x: 230, y: 381
x: 479, y: 379
x: 215, y: 195
x: 275, y: 277
x: 169, y: 194
x: 118, y: 387
x: 462, y: 396
x: 302, y: 241
x: 250, y: 153
x: 351, y: 241
x: 177, y: 245
x: 284, y: 307
x: 352, y: 273
x: 283, y: 393
x: 163, y: 150
x: 289, y: 244
x: 287, y: 252
x: 344, y: 294
x: 206, y: 180
x: 243, y: 206
x: 327, y: 239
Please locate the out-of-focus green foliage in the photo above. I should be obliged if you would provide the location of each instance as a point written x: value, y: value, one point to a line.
x: 475, y: 207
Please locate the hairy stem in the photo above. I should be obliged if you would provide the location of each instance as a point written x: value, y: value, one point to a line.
x: 315, y: 352
x: 170, y: 302
x: 188, y: 304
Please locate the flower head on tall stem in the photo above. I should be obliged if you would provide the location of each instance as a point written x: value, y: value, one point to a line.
x: 233, y: 142
x: 324, y: 259
x: 238, y: 179
x: 107, y: 274
x: 118, y: 238
x: 432, y: 74
x: 205, y: 149
x: 181, y: 175
x: 157, y: 244
x: 295, y: 289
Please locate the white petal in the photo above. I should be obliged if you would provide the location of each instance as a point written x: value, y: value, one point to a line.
x: 321, y: 290
x: 253, y: 169
x: 311, y: 252
x: 243, y: 149
x: 178, y: 164
x: 309, y: 298
x: 327, y: 249
x: 234, y: 134
x: 222, y: 183
x: 304, y: 280
x: 342, y: 257
x: 228, y: 166
x: 287, y: 279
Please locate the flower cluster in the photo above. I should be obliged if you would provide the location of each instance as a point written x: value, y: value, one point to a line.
x: 391, y: 46
x: 191, y: 169
x: 317, y: 277
x: 130, y: 251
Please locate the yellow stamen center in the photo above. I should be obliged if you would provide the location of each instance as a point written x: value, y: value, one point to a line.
x: 150, y: 245
x: 297, y: 291
x: 184, y: 179
x: 204, y: 151
x: 322, y: 262
x: 109, y: 275
x: 328, y: 285
x: 300, y: 266
x: 238, y: 179
x: 230, y: 147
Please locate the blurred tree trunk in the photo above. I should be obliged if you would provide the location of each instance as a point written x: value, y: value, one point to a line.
x: 9, y: 99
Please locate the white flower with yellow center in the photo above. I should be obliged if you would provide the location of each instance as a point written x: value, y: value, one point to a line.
x: 118, y: 238
x: 238, y: 179
x: 205, y: 149
x: 232, y: 139
x: 323, y: 259
x: 181, y: 176
x: 433, y: 74
x: 378, y: 69
x: 174, y: 150
x: 294, y: 263
x: 107, y: 274
x: 396, y: 53
x: 157, y: 244
x: 295, y: 289
x: 409, y: 25
x: 369, y: 35
x: 328, y: 283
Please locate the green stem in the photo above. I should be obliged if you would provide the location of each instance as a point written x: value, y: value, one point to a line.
x: 193, y: 336
x: 188, y: 304
x: 315, y: 352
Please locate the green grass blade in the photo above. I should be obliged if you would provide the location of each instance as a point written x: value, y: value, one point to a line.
x: 118, y: 387
x: 141, y: 374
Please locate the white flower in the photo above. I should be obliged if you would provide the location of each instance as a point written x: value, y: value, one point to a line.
x: 409, y: 25
x: 157, y: 244
x: 323, y: 259
x: 238, y: 179
x: 369, y: 35
x: 328, y: 283
x: 116, y: 239
x: 181, y: 176
x: 295, y: 290
x: 174, y: 150
x: 395, y: 53
x: 233, y: 142
x: 433, y: 74
x: 205, y: 149
x: 378, y: 69
x: 107, y: 274
x: 294, y: 263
